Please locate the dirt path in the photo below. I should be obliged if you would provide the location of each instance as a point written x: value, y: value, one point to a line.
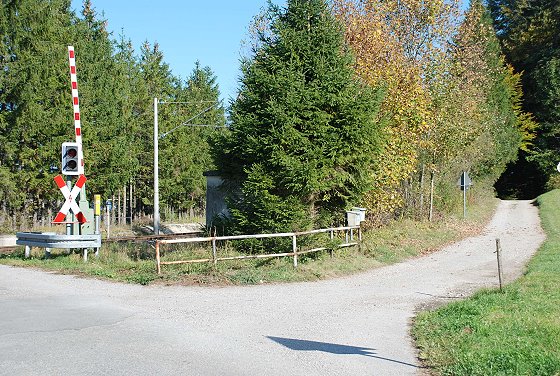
x: 53, y: 324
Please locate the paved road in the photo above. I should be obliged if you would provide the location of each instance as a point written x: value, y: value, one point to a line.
x: 62, y: 325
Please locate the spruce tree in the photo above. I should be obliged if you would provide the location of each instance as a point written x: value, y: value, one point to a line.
x: 36, y: 112
x: 158, y: 82
x: 185, y: 152
x: 304, y: 131
x: 102, y: 87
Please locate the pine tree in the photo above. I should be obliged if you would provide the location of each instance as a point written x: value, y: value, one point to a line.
x: 102, y: 87
x: 36, y: 115
x: 158, y: 82
x: 304, y: 132
x: 186, y: 152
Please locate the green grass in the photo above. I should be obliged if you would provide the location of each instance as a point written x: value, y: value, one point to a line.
x: 134, y: 262
x: 514, y: 332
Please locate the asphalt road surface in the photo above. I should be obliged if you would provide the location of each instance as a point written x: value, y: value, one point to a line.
x: 359, y: 325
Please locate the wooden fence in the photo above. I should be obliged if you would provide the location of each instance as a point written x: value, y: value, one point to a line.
x: 348, y: 233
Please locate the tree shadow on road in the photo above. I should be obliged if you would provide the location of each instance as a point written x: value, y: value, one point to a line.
x: 333, y: 348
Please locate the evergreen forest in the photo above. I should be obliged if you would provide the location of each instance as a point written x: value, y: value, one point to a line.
x: 371, y: 103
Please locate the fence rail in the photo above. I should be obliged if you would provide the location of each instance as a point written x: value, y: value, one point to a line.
x: 348, y: 231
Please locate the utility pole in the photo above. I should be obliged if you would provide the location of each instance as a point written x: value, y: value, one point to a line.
x: 156, y: 169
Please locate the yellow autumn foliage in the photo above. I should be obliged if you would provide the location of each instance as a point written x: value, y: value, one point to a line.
x: 395, y: 44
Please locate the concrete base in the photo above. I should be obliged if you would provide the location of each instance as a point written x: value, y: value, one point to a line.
x: 8, y: 241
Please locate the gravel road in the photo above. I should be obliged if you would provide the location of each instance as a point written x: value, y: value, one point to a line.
x: 359, y: 325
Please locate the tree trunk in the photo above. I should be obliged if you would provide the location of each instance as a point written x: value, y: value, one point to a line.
x: 130, y: 201
x: 422, y: 172
x: 119, y: 207
x: 3, y: 214
x: 49, y: 214
x: 35, y: 220
x: 432, y: 178
x: 125, y: 206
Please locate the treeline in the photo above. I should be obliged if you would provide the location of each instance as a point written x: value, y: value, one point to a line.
x: 374, y: 103
x: 116, y: 90
x: 529, y: 32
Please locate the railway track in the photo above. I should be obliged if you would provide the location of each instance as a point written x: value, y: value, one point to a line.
x: 143, y: 238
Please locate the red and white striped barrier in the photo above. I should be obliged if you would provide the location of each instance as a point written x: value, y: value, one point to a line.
x: 75, y: 100
x: 70, y: 196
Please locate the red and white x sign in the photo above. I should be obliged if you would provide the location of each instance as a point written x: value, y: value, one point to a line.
x: 70, y: 197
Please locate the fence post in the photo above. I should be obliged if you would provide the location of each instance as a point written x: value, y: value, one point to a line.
x: 158, y: 264
x: 294, y: 250
x: 214, y: 253
x: 499, y: 257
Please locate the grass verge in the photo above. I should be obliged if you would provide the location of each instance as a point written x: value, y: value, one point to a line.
x: 514, y: 332
x: 134, y: 262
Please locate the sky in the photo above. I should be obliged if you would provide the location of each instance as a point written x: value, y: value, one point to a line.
x: 210, y: 31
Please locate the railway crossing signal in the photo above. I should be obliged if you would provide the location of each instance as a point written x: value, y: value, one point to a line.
x: 71, y: 163
x: 72, y: 158
x: 70, y: 197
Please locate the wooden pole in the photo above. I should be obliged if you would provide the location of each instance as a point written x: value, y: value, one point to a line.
x: 431, y: 211
x: 214, y: 255
x: 331, y: 237
x: 158, y: 260
x: 499, y: 257
x: 294, y: 250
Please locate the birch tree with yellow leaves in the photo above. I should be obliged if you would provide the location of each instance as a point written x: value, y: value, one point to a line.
x: 398, y: 44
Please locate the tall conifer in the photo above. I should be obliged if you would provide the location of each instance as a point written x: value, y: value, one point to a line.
x: 304, y: 130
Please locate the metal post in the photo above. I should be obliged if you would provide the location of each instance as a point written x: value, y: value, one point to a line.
x: 108, y: 219
x: 97, y: 215
x: 464, y: 194
x: 156, y: 169
x: 83, y: 205
x: 294, y: 250
x: 69, y: 224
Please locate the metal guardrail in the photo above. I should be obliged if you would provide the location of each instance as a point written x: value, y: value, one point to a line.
x: 53, y: 240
